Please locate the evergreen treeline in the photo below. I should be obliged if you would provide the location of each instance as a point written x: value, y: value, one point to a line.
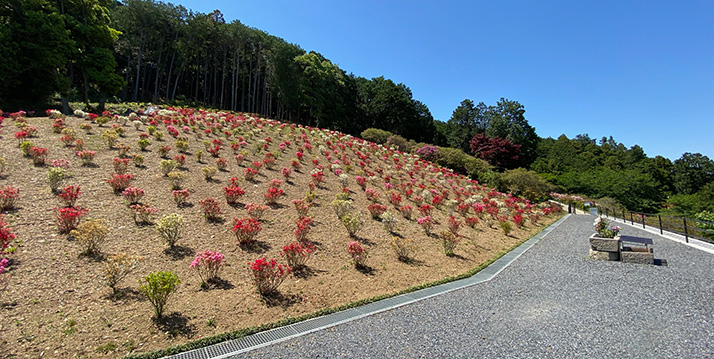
x: 149, y: 51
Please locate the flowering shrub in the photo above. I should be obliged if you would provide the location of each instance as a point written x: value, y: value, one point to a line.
x: 272, y: 195
x: 297, y: 255
x: 463, y: 208
x: 518, y: 220
x: 67, y: 218
x: 372, y: 195
x: 157, y: 288
x: 68, y: 195
x: 8, y: 198
x: 303, y: 225
x: 221, y: 163
x: 601, y: 227
x: 180, y: 197
x: 358, y: 254
x: 286, y: 172
x: 389, y: 221
x: 534, y: 218
x: 207, y: 264
x: 250, y: 173
x: 376, y: 210
x: 119, y: 182
x: 166, y: 166
x: 233, y: 193
x: 256, y: 210
x: 137, y: 160
x: 361, y: 181
x: 301, y: 207
x: 121, y: 165
x: 211, y: 209
x: 471, y: 221
x: 164, y: 151
x: 425, y: 210
x: 39, y: 155
x: 3, y: 265
x: 449, y: 240
x: 429, y: 153
x: 341, y: 207
x: 427, y: 223
x: 404, y: 248
x: 267, y: 275
x: 116, y: 268
x: 87, y: 157
x: 180, y: 160
x: 176, y: 179
x: 239, y: 159
x: 396, y: 199
x: 209, y: 172
x: 133, y: 195
x: 352, y: 222
x: 90, y: 235
x: 169, y: 227
x: 406, y: 211
x: 317, y: 176
x: 6, y: 235
x: 454, y: 225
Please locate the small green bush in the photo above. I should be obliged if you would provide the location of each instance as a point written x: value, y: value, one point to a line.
x: 352, y: 222
x: 157, y: 288
x: 376, y: 135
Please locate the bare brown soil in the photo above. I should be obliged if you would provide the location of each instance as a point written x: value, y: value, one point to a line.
x: 57, y: 305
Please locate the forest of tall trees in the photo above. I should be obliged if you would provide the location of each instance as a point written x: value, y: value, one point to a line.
x: 57, y: 52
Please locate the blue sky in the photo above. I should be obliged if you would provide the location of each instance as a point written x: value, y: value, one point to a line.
x: 641, y: 71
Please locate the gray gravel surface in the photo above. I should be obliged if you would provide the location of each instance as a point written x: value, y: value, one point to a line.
x: 552, y: 302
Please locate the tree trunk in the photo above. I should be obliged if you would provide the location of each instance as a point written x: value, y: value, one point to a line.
x: 156, y: 79
x: 138, y: 72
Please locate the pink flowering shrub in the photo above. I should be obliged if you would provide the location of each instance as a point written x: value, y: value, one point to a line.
x: 297, y: 255
x: 133, y: 195
x: 119, y: 182
x: 256, y: 210
x: 211, y: 209
x: 427, y: 223
x: 68, y: 195
x: 180, y: 197
x: 67, y: 218
x: 372, y: 194
x: 301, y: 206
x: 142, y: 214
x: 207, y: 264
x: 250, y: 173
x: 8, y: 198
x: 87, y: 157
x: 286, y: 172
x: 268, y: 275
x: 358, y: 254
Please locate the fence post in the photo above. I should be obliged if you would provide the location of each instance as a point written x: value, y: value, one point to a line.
x: 623, y: 216
x: 660, y: 223
x: 632, y: 219
x: 643, y: 221
x: 686, y: 233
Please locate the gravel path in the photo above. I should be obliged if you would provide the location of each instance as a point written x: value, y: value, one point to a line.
x: 552, y: 302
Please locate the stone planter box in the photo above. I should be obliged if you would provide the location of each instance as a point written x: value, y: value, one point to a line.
x: 637, y: 255
x: 606, y: 249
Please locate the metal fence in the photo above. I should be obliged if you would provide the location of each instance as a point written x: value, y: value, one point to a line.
x: 687, y: 227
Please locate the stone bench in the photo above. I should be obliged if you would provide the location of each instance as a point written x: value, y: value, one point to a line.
x: 637, y: 249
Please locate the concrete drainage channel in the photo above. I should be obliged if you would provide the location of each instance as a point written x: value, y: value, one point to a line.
x: 241, y: 345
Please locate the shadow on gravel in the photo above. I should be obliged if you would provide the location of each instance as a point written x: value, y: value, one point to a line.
x: 278, y: 299
x: 660, y: 262
x: 178, y: 252
x: 175, y: 324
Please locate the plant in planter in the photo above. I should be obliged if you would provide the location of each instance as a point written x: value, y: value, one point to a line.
x: 601, y: 227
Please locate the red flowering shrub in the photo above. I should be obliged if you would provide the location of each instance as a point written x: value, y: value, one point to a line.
x: 180, y: 196
x: 142, y: 214
x: 518, y: 220
x: 67, y: 218
x: 233, y: 193
x: 272, y: 195
x: 297, y: 255
x: 303, y: 225
x: 454, y: 225
x: 6, y: 235
x: 250, y: 173
x: 245, y: 230
x: 39, y: 155
x: 301, y: 206
x: 471, y: 221
x: 119, y: 182
x: 87, y: 157
x: 406, y: 211
x: 425, y: 210
x: 133, y: 195
x: 8, y: 198
x: 121, y: 165
x: 376, y: 210
x: 268, y: 275
x: 358, y: 254
x: 68, y: 195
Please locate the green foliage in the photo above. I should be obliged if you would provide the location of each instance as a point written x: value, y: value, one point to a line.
x: 376, y: 135
x: 55, y: 175
x: 90, y: 235
x: 523, y: 183
x: 460, y: 162
x: 157, y: 288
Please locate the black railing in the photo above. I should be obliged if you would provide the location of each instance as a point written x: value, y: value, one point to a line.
x: 687, y: 227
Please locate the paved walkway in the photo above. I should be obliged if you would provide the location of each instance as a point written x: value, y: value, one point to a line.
x: 552, y: 302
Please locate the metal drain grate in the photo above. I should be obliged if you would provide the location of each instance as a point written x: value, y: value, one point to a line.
x: 237, y: 346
